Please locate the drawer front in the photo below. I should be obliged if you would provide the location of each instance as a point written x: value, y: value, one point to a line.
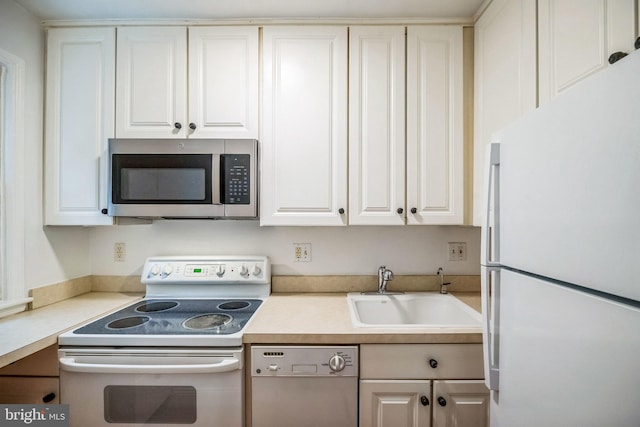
x: 32, y: 390
x: 421, y: 361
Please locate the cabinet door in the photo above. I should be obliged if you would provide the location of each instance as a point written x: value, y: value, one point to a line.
x: 151, y: 87
x: 304, y: 126
x: 435, y: 174
x: 576, y: 38
x: 79, y: 120
x: 223, y: 82
x: 505, y: 82
x: 460, y: 404
x: 377, y: 125
x: 392, y: 403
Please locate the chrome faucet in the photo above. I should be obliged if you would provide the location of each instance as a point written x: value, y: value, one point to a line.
x: 384, y: 276
x: 443, y: 285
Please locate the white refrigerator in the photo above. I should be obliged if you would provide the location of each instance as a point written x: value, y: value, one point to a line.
x: 561, y: 259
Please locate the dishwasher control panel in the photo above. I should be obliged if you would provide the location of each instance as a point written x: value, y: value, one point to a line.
x: 310, y: 361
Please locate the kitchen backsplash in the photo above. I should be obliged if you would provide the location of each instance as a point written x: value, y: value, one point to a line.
x: 406, y: 250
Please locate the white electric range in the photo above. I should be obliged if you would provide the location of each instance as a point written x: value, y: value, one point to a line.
x: 189, y: 323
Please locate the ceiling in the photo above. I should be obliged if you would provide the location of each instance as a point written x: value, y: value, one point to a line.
x: 55, y: 10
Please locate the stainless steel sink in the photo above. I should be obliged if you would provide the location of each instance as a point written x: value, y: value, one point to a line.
x: 411, y: 310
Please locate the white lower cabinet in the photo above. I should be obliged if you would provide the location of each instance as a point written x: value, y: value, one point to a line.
x: 395, y: 403
x: 460, y: 403
x: 422, y: 385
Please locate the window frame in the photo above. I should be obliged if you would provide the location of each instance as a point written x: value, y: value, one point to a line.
x: 13, y: 297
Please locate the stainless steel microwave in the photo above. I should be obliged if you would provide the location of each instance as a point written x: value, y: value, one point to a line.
x: 183, y: 178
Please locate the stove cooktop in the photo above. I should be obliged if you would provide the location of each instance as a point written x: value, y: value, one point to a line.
x: 202, y: 301
x: 176, y: 317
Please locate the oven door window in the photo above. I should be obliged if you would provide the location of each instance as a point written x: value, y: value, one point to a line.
x: 150, y: 404
x: 162, y: 178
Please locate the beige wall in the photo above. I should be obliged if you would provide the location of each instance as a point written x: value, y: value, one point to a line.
x: 50, y: 255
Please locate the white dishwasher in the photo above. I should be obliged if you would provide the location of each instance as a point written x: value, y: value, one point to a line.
x: 311, y: 386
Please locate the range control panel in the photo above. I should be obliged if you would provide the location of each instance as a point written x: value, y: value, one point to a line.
x: 214, y: 269
x: 270, y: 361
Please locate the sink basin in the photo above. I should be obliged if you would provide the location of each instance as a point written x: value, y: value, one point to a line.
x: 411, y: 310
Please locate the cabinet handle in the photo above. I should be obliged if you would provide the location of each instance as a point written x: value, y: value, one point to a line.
x: 433, y: 363
x: 400, y: 210
x: 104, y: 211
x: 442, y: 401
x: 49, y: 398
x: 637, y: 43
x: 414, y: 210
x: 341, y: 211
x: 192, y: 126
x: 177, y: 125
x: 424, y: 400
x: 616, y: 56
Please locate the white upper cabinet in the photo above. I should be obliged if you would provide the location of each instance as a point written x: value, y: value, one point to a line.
x: 576, y: 38
x: 215, y: 96
x: 223, y: 82
x: 505, y: 77
x: 304, y: 126
x: 377, y: 125
x: 435, y: 162
x: 79, y: 106
x: 151, y: 91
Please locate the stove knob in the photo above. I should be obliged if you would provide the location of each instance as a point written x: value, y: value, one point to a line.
x: 167, y: 270
x: 244, y: 271
x: 337, y: 363
x: 256, y: 270
x: 155, y: 270
x: 220, y: 270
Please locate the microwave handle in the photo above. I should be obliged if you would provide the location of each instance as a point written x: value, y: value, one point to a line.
x: 215, y: 178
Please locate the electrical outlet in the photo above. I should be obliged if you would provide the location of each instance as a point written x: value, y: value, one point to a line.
x: 302, y: 252
x: 119, y: 252
x: 457, y: 251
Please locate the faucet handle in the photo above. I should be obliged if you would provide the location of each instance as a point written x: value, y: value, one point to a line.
x: 388, y: 275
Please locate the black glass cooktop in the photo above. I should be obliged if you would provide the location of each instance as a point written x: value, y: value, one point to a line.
x: 176, y: 317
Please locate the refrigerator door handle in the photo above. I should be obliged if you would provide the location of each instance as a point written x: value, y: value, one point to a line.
x: 489, y: 247
x: 490, y: 326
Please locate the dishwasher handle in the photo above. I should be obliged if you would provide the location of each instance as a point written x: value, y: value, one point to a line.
x: 70, y: 364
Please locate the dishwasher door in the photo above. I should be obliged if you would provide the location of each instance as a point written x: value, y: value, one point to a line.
x: 304, y: 386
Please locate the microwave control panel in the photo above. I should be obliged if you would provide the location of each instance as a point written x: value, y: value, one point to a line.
x: 236, y: 179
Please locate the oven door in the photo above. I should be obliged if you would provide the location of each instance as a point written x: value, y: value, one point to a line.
x: 152, y: 387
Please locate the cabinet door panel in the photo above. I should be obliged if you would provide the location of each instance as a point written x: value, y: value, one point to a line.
x: 304, y: 134
x: 577, y: 37
x: 464, y: 404
x: 79, y: 120
x: 505, y: 81
x: 435, y: 175
x: 376, y: 125
x: 223, y: 82
x: 395, y: 403
x: 151, y: 87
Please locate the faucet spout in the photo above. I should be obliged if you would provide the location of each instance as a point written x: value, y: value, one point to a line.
x: 443, y: 285
x: 386, y: 277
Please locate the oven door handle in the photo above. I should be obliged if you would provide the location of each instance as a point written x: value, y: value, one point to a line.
x: 69, y: 364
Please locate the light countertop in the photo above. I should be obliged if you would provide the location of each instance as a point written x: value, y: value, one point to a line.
x: 284, y: 318
x: 26, y: 333
x: 323, y: 318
